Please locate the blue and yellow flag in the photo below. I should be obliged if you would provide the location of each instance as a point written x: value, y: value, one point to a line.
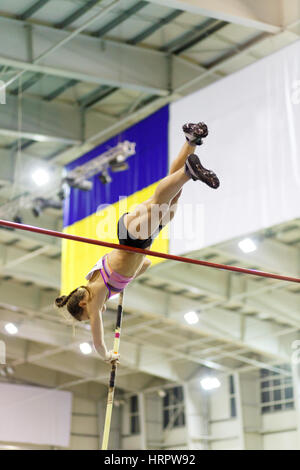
x: 95, y: 213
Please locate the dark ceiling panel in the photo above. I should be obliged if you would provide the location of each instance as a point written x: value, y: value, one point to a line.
x: 77, y: 14
x: 32, y: 10
x: 120, y: 19
x: 155, y: 27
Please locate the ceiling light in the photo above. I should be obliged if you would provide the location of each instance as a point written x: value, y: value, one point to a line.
x: 40, y: 177
x: 85, y: 348
x: 191, y: 318
x: 210, y: 383
x: 11, y: 328
x: 162, y: 393
x: 247, y: 245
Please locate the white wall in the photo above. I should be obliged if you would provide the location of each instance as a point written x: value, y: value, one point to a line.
x: 224, y: 430
x: 175, y: 439
x: 85, y: 425
x: 279, y: 430
x: 154, y: 420
x: 35, y: 415
x: 280, y: 441
x: 84, y: 429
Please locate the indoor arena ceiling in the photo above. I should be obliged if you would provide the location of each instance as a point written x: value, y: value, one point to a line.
x: 62, y: 101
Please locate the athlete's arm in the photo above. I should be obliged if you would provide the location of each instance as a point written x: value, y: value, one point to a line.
x: 98, y: 337
x: 98, y: 334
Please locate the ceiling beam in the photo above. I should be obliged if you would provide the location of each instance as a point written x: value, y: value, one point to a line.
x: 176, y: 47
x: 77, y: 14
x: 83, y: 59
x: 201, y: 37
x: 178, y: 91
x: 155, y: 27
x: 290, y: 13
x: 72, y: 364
x: 32, y: 10
x: 270, y: 255
x: 42, y: 122
x: 25, y: 85
x: 48, y: 121
x: 120, y: 19
x: 141, y: 300
x: 94, y: 97
x: 264, y: 16
x: 31, y: 268
x: 58, y: 91
x: 195, y: 35
x: 105, y: 91
x: 40, y: 332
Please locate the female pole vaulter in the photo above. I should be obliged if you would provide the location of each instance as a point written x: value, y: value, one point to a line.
x: 112, y: 273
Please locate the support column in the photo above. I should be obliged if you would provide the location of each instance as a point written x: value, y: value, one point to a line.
x: 239, y: 409
x: 153, y: 420
x: 196, y: 416
x: 142, y: 417
x: 296, y: 386
x: 249, y: 412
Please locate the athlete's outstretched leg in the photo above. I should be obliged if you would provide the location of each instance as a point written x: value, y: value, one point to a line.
x: 169, y: 187
x: 180, y: 160
x: 195, y: 133
x: 169, y: 213
x: 147, y: 217
x: 178, y: 163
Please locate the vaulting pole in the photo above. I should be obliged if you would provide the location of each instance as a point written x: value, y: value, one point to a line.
x: 111, y: 386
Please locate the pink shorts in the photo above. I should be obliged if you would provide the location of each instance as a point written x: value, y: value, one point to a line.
x: 114, y: 282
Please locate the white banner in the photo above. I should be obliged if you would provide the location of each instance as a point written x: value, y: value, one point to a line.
x: 35, y: 415
x: 254, y: 147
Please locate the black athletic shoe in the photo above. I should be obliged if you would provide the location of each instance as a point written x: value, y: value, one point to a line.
x: 194, y: 133
x: 196, y: 171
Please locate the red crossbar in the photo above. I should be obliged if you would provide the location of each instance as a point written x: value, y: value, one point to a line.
x: 181, y: 259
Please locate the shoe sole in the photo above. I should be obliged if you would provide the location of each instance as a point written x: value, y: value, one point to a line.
x: 212, y: 184
x: 187, y: 130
